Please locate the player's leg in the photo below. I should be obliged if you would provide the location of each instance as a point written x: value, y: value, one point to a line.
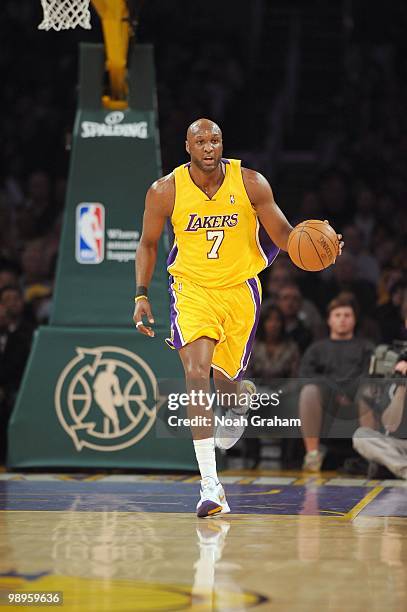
x: 196, y: 358
x: 241, y: 305
x: 226, y: 387
x: 310, y: 410
x: 234, y: 398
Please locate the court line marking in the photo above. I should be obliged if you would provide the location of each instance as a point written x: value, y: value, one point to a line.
x: 243, y: 477
x: 307, y: 479
x: 243, y: 517
x: 271, y: 492
x: 349, y: 516
x: 365, y: 501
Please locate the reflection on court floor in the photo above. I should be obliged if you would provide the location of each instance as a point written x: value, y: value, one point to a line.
x: 114, y: 545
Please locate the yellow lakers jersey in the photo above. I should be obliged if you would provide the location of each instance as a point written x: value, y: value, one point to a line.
x: 219, y: 241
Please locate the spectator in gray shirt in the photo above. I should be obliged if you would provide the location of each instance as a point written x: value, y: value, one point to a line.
x: 334, y: 366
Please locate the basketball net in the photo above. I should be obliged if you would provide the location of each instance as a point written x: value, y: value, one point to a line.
x: 65, y: 14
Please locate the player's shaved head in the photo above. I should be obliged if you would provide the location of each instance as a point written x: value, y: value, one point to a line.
x: 204, y: 144
x: 203, y: 125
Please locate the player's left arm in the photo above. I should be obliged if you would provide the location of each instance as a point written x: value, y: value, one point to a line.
x: 271, y: 216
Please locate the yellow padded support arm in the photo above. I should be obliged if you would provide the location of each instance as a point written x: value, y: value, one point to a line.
x: 114, y: 16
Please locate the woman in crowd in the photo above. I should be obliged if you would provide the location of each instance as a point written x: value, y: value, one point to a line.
x: 274, y: 355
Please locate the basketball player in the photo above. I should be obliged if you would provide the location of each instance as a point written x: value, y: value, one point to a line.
x: 227, y: 229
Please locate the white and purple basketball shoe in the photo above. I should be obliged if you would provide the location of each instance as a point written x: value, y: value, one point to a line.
x: 213, y: 499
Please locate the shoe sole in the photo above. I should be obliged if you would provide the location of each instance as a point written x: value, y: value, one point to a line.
x: 209, y: 508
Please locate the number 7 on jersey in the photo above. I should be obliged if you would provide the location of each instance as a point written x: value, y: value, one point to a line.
x: 217, y: 236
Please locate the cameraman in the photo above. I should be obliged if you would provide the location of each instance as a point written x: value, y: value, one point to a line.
x: 386, y: 448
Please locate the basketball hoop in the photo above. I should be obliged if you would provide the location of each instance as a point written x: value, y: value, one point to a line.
x: 65, y: 14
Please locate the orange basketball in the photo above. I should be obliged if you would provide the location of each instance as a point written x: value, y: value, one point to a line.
x: 313, y: 245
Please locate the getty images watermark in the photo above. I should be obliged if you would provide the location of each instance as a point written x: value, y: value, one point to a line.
x: 243, y: 405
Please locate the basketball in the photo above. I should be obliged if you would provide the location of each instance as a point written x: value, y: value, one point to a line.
x: 313, y: 245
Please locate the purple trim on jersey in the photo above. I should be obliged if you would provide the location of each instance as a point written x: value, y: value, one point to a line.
x: 225, y: 161
x: 172, y: 255
x: 267, y: 245
x: 249, y: 344
x: 176, y: 338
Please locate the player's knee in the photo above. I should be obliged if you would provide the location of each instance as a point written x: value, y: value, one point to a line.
x: 197, y: 371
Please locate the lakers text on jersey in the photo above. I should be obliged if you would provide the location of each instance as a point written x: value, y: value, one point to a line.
x: 219, y: 241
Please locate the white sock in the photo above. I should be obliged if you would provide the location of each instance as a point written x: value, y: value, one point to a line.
x: 205, y: 455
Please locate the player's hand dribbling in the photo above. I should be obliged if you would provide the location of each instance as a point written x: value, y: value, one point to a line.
x: 143, y: 309
x: 341, y: 243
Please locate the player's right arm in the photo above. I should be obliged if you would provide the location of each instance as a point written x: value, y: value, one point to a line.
x: 158, y: 207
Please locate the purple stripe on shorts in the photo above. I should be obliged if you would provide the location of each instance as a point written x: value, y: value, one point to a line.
x: 249, y: 344
x: 267, y: 245
x: 176, y: 338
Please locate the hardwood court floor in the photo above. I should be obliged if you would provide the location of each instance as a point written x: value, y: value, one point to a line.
x: 131, y: 543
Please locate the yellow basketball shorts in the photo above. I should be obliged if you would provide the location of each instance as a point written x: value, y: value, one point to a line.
x: 229, y: 316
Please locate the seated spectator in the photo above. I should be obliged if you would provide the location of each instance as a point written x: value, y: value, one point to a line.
x: 367, y: 266
x: 334, y: 365
x: 385, y: 253
x: 345, y: 279
x: 38, y: 213
x: 282, y: 273
x: 8, y: 276
x: 402, y: 335
x: 35, y: 262
x: 309, y: 208
x: 15, y: 344
x: 386, y: 447
x: 389, y: 315
x: 289, y: 301
x: 39, y: 298
x: 400, y: 258
x: 19, y: 330
x: 389, y: 277
x: 275, y: 277
x: 364, y: 218
x: 274, y: 355
x: 8, y: 238
x: 333, y: 196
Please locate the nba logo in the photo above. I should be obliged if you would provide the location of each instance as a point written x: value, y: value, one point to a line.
x: 232, y: 199
x: 90, y: 233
